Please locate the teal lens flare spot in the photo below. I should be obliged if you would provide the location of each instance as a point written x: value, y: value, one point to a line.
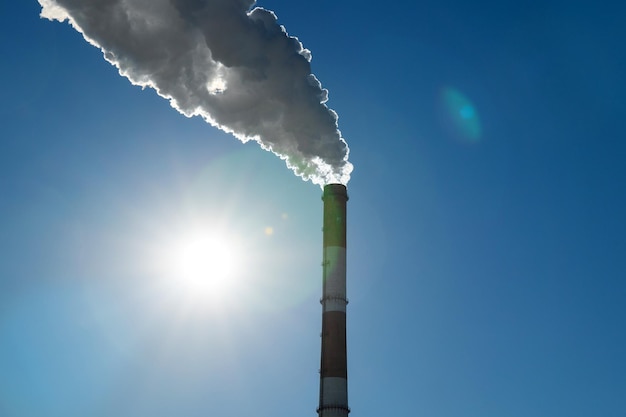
x: 459, y: 116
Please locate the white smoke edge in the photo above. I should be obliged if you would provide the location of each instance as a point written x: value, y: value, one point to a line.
x: 319, y: 172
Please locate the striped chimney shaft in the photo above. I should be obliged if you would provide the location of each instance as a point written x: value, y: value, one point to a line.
x: 334, y: 369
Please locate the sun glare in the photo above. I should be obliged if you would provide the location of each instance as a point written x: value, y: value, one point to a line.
x: 203, y: 264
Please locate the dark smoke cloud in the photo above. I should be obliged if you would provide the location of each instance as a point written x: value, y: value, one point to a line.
x: 220, y: 59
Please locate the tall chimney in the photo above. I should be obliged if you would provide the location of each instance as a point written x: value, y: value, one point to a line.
x: 334, y: 369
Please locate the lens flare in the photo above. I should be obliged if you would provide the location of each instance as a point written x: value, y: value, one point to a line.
x: 459, y: 116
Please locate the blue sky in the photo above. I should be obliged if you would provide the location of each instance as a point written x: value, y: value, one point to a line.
x: 486, y: 232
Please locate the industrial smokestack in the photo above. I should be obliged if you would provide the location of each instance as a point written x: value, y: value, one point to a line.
x: 334, y: 367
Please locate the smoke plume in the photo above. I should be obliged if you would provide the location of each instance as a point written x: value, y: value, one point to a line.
x: 233, y: 65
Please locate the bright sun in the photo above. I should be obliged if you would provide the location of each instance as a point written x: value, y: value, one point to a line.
x: 204, y: 263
